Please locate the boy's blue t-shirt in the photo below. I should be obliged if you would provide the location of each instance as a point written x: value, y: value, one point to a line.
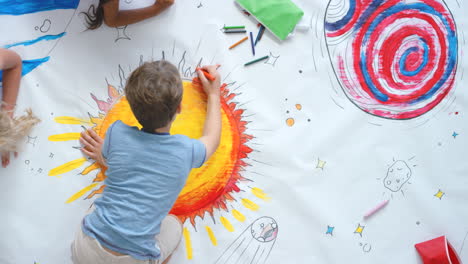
x: 145, y: 175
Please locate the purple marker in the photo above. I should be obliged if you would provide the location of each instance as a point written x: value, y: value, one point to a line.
x: 252, y: 43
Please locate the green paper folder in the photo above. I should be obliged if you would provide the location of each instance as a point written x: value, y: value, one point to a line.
x: 279, y: 16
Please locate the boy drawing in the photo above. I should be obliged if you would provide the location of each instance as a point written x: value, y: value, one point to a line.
x: 147, y: 169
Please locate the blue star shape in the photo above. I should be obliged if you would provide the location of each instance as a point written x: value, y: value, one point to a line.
x: 455, y: 134
x: 330, y: 230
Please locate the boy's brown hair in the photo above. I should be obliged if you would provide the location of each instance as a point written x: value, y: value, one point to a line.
x: 154, y: 91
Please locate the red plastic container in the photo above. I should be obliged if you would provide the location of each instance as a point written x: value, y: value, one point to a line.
x: 438, y: 251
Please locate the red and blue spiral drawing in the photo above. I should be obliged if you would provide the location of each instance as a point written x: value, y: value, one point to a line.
x: 394, y: 59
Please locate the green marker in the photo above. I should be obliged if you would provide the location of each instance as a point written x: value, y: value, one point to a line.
x: 257, y: 60
x: 234, y: 27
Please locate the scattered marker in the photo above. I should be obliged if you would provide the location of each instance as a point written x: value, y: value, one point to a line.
x: 233, y: 27
x: 257, y: 60
x: 235, y: 31
x: 260, y: 34
x: 252, y: 42
x: 377, y: 208
x: 207, y: 74
x: 239, y: 42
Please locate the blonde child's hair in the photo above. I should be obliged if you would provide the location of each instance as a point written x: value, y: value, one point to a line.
x: 12, y: 130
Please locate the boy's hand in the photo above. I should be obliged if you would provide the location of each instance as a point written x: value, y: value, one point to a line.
x: 164, y: 3
x: 92, y: 146
x: 211, y: 88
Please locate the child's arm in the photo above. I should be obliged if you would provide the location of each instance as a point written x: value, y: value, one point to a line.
x: 11, y: 65
x: 115, y: 18
x: 212, y: 129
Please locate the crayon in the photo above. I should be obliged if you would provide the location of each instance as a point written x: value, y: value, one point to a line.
x: 207, y: 75
x: 228, y: 31
x: 252, y: 43
x: 260, y: 34
x: 239, y: 42
x: 375, y: 209
x: 257, y: 60
x: 234, y: 27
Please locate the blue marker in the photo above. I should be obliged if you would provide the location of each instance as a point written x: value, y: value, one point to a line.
x: 260, y: 34
x: 252, y: 42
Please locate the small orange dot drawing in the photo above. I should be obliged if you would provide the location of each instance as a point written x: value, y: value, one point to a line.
x: 290, y: 122
x: 299, y: 107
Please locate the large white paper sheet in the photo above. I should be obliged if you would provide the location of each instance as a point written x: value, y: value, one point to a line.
x: 308, y: 146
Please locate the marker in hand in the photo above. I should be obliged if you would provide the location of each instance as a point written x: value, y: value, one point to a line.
x: 207, y: 74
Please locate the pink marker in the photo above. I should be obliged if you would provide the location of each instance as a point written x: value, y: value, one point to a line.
x: 377, y: 208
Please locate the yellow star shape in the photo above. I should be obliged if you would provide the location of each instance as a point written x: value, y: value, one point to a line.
x: 439, y: 194
x: 321, y: 164
x: 359, y: 229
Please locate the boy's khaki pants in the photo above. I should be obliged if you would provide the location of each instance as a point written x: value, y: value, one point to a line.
x: 87, y: 250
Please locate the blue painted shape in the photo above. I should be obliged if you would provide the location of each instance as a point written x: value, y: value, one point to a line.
x: 343, y: 21
x: 21, y: 7
x: 33, y: 41
x: 407, y: 53
x: 452, y: 49
x: 29, y: 65
x: 368, y: 12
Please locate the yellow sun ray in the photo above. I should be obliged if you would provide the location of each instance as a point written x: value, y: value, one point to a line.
x: 211, y: 235
x: 90, y: 168
x: 64, y: 137
x: 238, y: 215
x: 249, y: 204
x: 260, y: 194
x: 188, y: 243
x: 81, y: 192
x: 69, y: 166
x: 226, y: 224
x: 68, y: 120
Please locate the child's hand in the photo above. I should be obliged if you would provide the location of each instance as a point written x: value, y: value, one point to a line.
x: 164, y: 3
x: 211, y: 88
x: 6, y: 158
x: 92, y: 146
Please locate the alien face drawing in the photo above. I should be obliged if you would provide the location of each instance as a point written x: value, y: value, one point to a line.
x: 264, y: 229
x: 254, y: 245
x: 397, y: 175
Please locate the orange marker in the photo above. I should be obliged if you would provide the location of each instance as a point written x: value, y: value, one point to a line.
x: 239, y: 42
x: 207, y: 75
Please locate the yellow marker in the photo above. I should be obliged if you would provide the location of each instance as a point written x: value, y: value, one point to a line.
x: 250, y: 205
x: 299, y: 107
x: 211, y: 235
x: 65, y: 137
x: 238, y: 215
x: 81, y: 193
x: 188, y: 244
x: 260, y: 194
x: 69, y: 166
x: 290, y: 122
x: 226, y: 224
x: 68, y: 120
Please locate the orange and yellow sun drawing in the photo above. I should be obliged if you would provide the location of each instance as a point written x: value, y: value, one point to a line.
x: 207, y: 188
